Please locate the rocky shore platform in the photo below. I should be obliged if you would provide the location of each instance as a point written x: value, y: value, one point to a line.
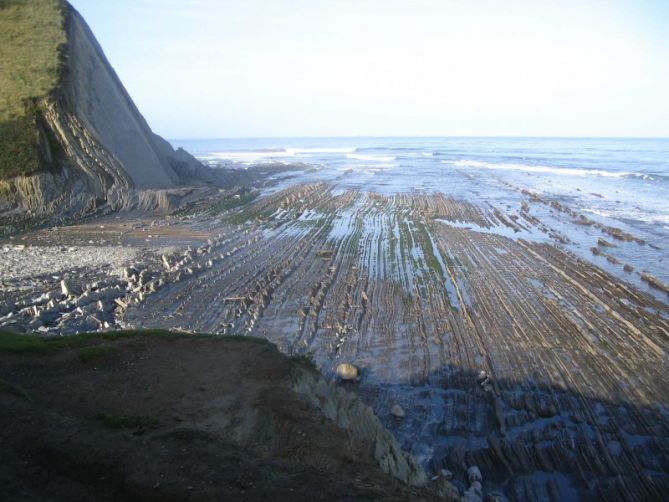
x: 476, y: 343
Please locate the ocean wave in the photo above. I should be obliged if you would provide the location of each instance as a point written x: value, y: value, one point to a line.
x: 371, y: 158
x: 386, y: 148
x: 567, y: 171
x: 383, y: 166
x: 247, y: 156
x: 270, y: 153
x: 344, y: 149
x: 651, y: 177
x: 628, y: 213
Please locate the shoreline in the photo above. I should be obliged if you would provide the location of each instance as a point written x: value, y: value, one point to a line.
x: 489, y: 343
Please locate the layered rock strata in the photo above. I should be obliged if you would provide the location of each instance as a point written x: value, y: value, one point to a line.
x: 95, y: 147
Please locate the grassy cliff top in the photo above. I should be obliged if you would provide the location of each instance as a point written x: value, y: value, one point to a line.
x: 31, y: 32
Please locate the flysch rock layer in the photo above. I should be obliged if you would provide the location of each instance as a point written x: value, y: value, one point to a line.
x: 514, y: 356
x: 110, y: 157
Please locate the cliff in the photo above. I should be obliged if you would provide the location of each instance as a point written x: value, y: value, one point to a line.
x: 72, y: 139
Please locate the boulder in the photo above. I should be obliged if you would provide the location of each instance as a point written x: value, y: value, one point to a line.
x: 446, y: 474
x: 347, y: 371
x: 474, y: 474
x: 397, y: 411
x: 470, y: 496
x: 446, y: 490
x: 477, y: 488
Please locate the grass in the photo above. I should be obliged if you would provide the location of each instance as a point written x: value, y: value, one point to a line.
x: 306, y: 359
x: 15, y: 390
x: 89, y: 353
x: 122, y: 421
x: 15, y: 343
x: 241, y: 217
x: 18, y: 343
x: 31, y: 34
x: 88, y: 343
x: 232, y: 202
x: 251, y: 339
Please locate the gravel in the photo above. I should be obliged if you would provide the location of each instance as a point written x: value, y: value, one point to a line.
x: 19, y: 262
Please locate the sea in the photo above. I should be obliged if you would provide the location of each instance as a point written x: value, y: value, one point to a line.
x: 618, y: 182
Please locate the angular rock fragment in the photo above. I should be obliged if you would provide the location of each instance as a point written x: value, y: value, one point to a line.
x: 67, y: 288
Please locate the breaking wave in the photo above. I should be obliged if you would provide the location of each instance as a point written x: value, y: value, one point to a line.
x: 372, y: 158
x: 566, y: 171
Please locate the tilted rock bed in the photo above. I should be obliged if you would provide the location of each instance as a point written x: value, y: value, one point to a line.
x: 512, y: 355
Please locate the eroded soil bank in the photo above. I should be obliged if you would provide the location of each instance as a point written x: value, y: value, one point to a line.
x: 160, y: 416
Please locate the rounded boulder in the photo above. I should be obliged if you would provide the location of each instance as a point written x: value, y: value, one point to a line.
x: 347, y: 371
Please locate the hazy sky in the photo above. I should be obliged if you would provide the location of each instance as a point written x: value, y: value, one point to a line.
x: 235, y: 68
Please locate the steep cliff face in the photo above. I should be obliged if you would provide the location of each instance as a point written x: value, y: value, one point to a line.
x: 93, y: 93
x: 93, y: 145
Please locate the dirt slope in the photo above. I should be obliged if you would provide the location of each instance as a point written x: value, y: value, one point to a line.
x: 173, y: 418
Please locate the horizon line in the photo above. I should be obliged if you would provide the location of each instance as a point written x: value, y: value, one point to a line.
x: 210, y: 138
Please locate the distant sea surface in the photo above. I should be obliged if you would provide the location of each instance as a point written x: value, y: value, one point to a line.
x: 618, y: 181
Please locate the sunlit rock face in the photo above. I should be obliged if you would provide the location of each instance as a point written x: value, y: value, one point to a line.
x: 514, y: 356
x: 94, y: 145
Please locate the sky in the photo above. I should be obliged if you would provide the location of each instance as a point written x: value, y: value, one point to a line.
x: 288, y: 68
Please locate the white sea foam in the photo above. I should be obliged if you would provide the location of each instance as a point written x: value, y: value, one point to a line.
x: 371, y: 158
x: 383, y: 167
x: 566, y: 171
x: 247, y: 157
x: 345, y: 149
x: 599, y: 212
x: 652, y: 218
x: 252, y: 156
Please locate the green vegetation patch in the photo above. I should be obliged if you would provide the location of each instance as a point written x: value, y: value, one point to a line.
x: 15, y: 343
x: 89, y: 353
x: 426, y: 244
x: 14, y: 390
x: 122, y: 421
x: 31, y: 35
x: 89, y: 343
x: 243, y: 216
x: 306, y: 359
x: 238, y: 200
x: 244, y: 338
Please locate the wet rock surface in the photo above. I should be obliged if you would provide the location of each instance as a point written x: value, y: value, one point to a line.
x: 505, y: 351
